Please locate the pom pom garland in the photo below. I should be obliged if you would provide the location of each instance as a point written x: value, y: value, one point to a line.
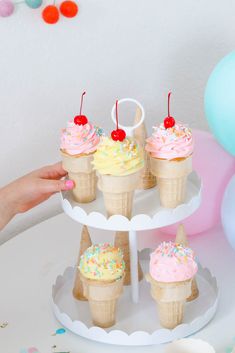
x: 6, y: 8
x: 50, y: 14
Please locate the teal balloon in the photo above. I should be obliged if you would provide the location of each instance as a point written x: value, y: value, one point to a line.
x: 220, y: 102
x: 33, y: 4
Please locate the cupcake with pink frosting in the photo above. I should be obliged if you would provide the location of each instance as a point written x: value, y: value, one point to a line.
x: 79, y: 141
x: 171, y: 271
x: 170, y: 149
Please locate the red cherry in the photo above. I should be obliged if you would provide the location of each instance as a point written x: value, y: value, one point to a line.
x: 115, y: 135
x: 69, y: 8
x: 121, y: 134
x: 80, y: 120
x: 118, y: 135
x: 169, y: 122
x: 50, y: 14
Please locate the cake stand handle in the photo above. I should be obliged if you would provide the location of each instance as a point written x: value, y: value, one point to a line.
x: 129, y: 129
x: 134, y: 266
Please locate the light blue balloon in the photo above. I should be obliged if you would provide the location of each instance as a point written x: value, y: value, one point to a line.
x: 220, y: 102
x: 33, y: 4
x: 228, y: 212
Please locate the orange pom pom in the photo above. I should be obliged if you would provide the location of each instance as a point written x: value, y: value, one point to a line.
x: 50, y: 14
x: 69, y: 8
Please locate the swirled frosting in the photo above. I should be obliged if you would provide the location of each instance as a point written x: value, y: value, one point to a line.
x: 80, y: 139
x: 172, y: 262
x: 118, y: 158
x: 102, y: 262
x: 171, y: 143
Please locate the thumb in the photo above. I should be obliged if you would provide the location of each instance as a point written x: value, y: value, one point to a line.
x: 51, y: 186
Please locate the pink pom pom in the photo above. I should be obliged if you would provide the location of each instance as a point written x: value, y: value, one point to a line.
x: 6, y: 8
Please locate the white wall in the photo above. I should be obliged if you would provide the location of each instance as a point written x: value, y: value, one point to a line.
x: 112, y: 49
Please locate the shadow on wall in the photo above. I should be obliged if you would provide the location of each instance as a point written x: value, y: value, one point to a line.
x: 24, y: 221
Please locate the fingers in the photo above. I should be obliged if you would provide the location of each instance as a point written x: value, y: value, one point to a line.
x: 52, y: 186
x: 54, y: 171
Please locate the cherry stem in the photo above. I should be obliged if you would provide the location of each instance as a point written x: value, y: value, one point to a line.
x: 169, y: 96
x: 117, y: 113
x: 82, y: 102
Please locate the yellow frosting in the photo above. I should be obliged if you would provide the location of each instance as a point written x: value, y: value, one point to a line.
x: 102, y: 262
x: 118, y: 158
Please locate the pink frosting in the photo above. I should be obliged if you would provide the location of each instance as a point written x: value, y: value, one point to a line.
x: 176, y: 142
x: 172, y: 262
x: 79, y: 139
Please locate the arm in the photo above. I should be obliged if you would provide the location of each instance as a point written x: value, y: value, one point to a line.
x: 30, y: 190
x: 7, y: 209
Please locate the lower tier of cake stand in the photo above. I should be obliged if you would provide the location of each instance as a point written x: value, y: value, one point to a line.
x: 137, y: 324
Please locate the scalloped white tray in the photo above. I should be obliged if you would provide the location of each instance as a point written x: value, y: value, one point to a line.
x: 137, y: 324
x: 147, y: 212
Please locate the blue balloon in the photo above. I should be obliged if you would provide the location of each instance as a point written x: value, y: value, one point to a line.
x: 228, y: 212
x: 220, y: 102
x: 33, y: 4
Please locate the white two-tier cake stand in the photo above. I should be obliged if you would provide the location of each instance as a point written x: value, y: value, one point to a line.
x: 137, y: 321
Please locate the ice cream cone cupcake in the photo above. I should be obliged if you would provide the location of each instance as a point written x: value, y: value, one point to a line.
x: 78, y: 143
x: 102, y: 272
x: 181, y: 238
x: 172, y: 268
x: 85, y: 243
x: 121, y: 241
x: 147, y: 179
x: 170, y: 149
x: 118, y: 162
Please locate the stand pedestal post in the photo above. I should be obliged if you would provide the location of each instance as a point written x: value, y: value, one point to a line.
x: 134, y: 266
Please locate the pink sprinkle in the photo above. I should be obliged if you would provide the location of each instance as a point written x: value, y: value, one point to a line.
x: 33, y: 350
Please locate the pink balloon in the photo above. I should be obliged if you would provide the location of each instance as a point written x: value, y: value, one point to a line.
x: 215, y: 167
x: 6, y: 8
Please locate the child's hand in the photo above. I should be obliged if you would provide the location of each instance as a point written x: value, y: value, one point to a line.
x: 30, y: 190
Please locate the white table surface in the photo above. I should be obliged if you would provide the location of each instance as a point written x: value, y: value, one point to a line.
x: 30, y: 262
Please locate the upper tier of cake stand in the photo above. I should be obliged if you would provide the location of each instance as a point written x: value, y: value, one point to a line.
x: 147, y: 212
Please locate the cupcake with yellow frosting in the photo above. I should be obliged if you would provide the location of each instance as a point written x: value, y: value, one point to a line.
x: 118, y: 162
x: 102, y: 271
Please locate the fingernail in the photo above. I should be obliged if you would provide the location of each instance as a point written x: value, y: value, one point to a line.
x: 69, y: 184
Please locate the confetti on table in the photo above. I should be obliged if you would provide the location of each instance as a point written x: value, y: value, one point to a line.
x: 59, y: 331
x: 29, y: 350
x: 53, y: 350
x: 4, y: 324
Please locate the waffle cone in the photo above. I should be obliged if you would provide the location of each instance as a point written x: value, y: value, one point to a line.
x: 102, y: 297
x: 147, y: 179
x: 140, y: 133
x: 118, y: 192
x: 122, y: 241
x: 80, y: 170
x: 195, y: 291
x: 171, y: 179
x: 181, y: 238
x: 170, y: 299
x: 85, y: 243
